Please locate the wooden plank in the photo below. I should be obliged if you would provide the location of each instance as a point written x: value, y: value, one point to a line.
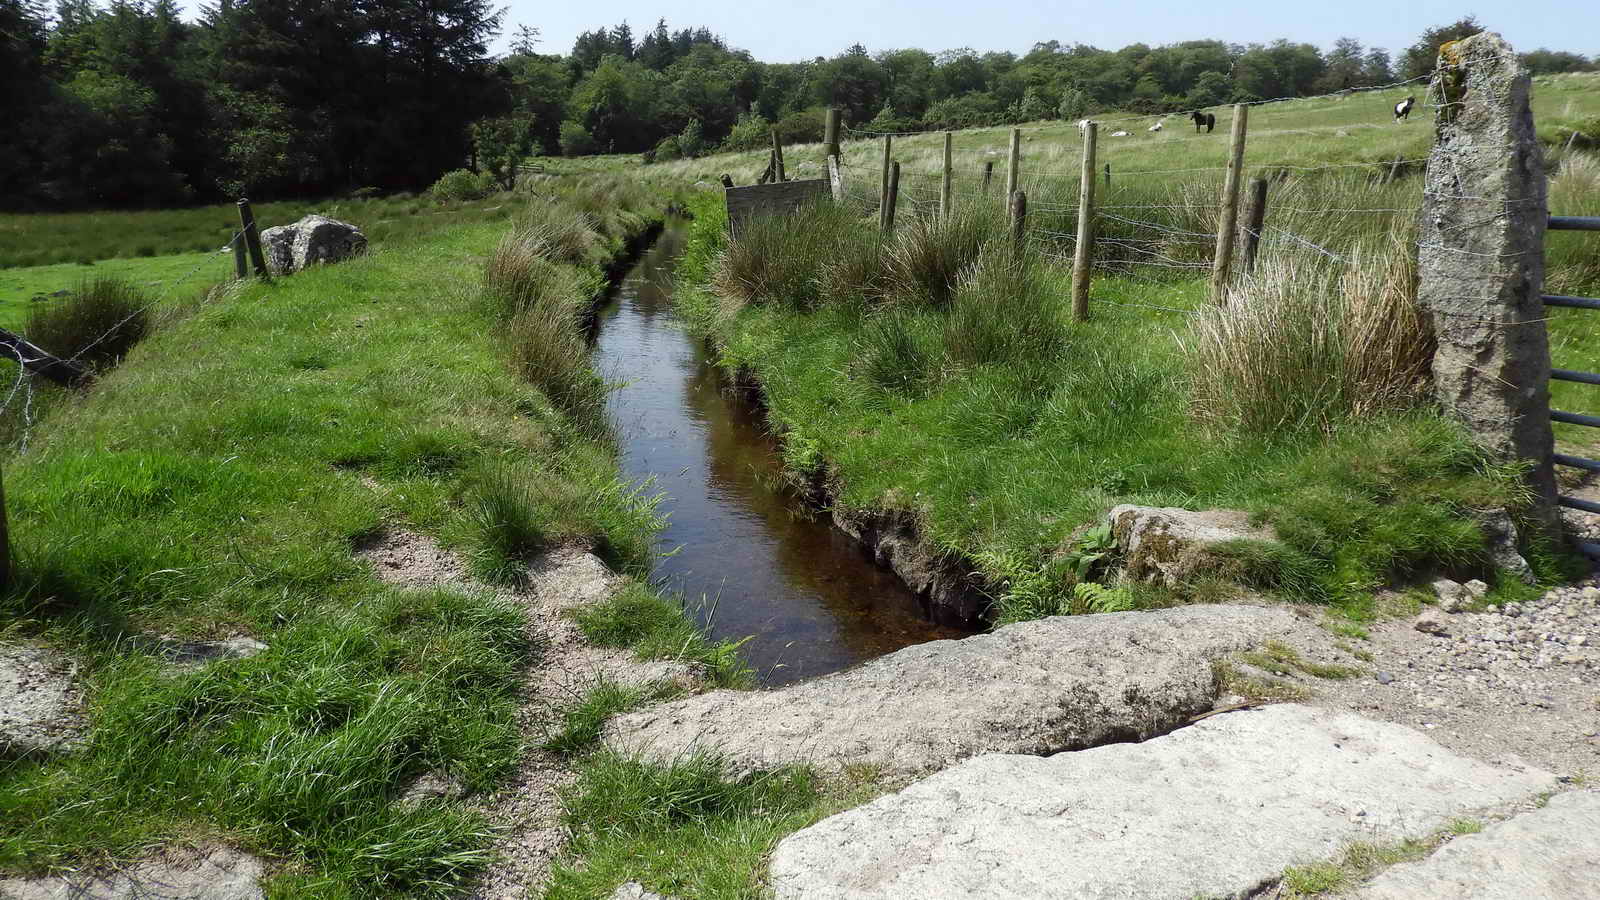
x: 40, y: 362
x: 745, y: 203
x: 1082, y: 259
x: 1228, y: 221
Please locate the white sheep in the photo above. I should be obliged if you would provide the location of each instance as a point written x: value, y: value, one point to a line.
x: 1119, y: 134
x: 1155, y: 127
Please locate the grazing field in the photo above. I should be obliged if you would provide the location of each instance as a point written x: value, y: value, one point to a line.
x: 41, y: 239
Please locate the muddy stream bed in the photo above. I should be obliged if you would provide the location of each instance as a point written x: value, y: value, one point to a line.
x: 749, y: 558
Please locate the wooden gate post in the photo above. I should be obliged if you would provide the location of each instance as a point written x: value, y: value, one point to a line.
x: 1228, y: 220
x: 1480, y: 262
x: 944, y: 185
x: 252, y: 238
x: 988, y: 176
x: 1254, y: 222
x: 1013, y: 160
x: 1082, y: 258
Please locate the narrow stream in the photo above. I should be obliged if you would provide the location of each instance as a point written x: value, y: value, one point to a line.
x: 748, y: 558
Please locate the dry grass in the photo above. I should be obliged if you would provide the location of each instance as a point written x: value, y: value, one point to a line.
x: 1308, y: 342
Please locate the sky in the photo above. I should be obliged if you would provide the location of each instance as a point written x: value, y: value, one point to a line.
x: 798, y: 31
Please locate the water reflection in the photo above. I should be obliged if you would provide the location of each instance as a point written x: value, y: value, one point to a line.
x: 804, y: 594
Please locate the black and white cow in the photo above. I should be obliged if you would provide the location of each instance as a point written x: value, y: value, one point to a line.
x: 1402, y: 110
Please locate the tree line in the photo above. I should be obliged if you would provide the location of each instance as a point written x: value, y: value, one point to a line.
x: 125, y: 104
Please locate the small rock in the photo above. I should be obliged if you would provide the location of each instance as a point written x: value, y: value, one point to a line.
x: 40, y: 704
x: 219, y: 873
x: 1476, y: 589
x: 1384, y: 677
x: 1431, y: 622
x: 1447, y: 591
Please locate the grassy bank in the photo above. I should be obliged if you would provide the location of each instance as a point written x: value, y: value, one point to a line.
x: 937, y: 376
x: 218, y: 481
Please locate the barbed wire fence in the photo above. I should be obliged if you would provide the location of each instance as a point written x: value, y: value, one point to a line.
x: 1161, y: 223
x: 33, y: 362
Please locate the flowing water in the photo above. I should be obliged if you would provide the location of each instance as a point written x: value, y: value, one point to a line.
x: 749, y: 558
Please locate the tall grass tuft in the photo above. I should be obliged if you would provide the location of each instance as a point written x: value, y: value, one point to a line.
x: 541, y: 305
x: 1004, y: 310
x: 777, y: 259
x: 98, y: 324
x: 1571, y: 264
x: 1306, y: 342
x: 928, y: 256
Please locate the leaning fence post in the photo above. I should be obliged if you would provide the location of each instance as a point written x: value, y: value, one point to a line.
x: 893, y: 198
x: 1019, y: 220
x: 830, y: 132
x: 1228, y: 220
x: 1254, y: 222
x: 1480, y: 261
x: 1013, y: 160
x: 884, y: 215
x: 1081, y: 258
x: 988, y: 176
x: 944, y: 185
x: 252, y: 237
x: 777, y: 158
x: 836, y: 179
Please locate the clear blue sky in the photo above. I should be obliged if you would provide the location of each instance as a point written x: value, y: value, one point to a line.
x: 790, y: 32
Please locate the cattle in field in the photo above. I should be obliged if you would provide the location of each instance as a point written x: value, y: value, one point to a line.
x: 1402, y: 110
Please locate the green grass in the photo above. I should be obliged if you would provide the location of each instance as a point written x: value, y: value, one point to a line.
x: 655, y: 627
x: 689, y: 829
x: 217, y: 482
x: 1000, y: 453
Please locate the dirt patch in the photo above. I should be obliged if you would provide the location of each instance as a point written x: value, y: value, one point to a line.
x: 527, y: 807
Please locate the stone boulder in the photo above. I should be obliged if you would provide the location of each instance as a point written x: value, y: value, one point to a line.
x: 313, y: 239
x: 1552, y: 853
x: 40, y: 704
x: 1033, y: 687
x: 1218, y: 809
x: 1167, y: 545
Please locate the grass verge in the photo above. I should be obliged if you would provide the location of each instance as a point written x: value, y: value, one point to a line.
x: 216, y: 483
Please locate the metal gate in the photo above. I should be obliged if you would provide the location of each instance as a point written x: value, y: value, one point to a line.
x: 1576, y: 223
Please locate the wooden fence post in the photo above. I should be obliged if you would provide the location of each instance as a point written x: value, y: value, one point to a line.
x: 988, y: 176
x: 1019, y: 221
x: 1108, y: 176
x: 240, y: 270
x: 1013, y: 160
x: 777, y: 158
x: 893, y: 198
x: 1254, y: 221
x: 830, y: 133
x: 883, y: 186
x: 1082, y: 258
x: 1228, y: 221
x: 944, y: 185
x: 252, y: 238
